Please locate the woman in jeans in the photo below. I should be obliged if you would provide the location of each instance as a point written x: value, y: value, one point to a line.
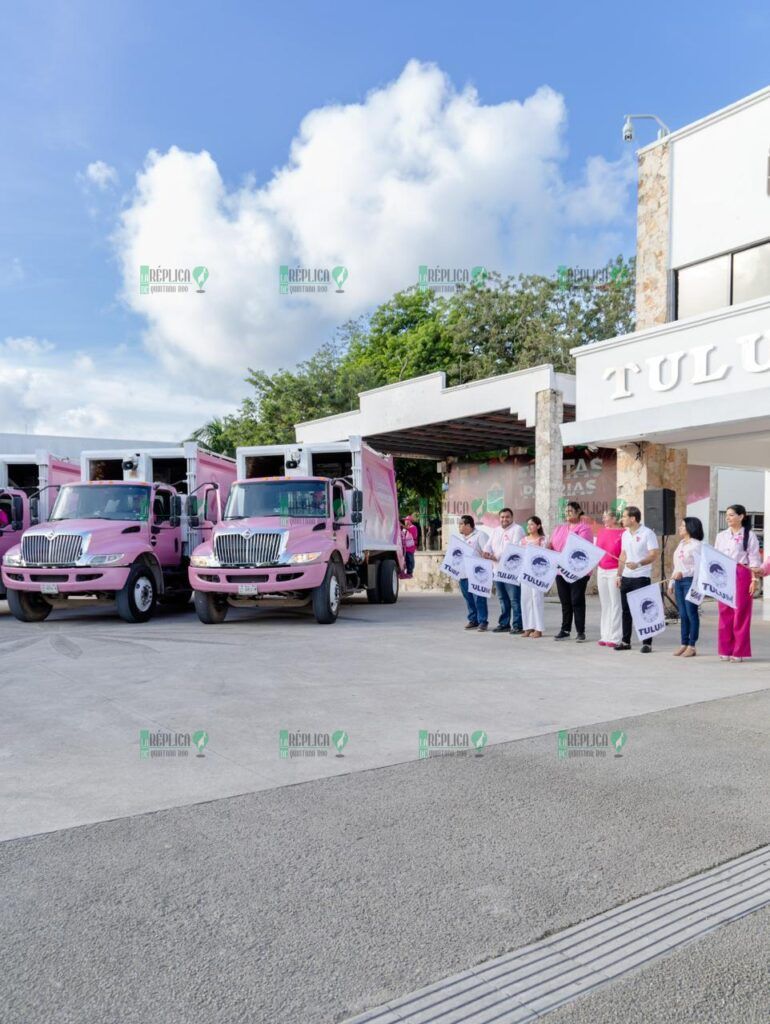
x: 572, y: 596
x: 609, y: 539
x: 685, y: 565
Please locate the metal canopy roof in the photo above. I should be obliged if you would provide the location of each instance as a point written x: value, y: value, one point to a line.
x: 465, y: 435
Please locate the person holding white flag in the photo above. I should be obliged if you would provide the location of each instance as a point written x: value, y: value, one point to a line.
x: 572, y: 596
x: 506, y: 533
x: 686, y: 559
x: 476, y: 605
x: 741, y: 544
x: 532, y: 598
x: 638, y: 550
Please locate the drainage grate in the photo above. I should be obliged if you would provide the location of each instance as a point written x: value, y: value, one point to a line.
x: 525, y: 984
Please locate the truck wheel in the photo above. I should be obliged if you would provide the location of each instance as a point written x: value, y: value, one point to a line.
x: 136, y: 601
x: 327, y: 597
x: 27, y: 607
x: 374, y: 594
x: 211, y: 608
x: 387, y: 579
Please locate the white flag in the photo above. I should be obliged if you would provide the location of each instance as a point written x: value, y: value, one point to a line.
x: 646, y: 607
x: 540, y: 567
x: 479, y: 572
x: 508, y: 569
x: 454, y: 559
x: 579, y: 558
x: 693, y: 595
x: 716, y: 575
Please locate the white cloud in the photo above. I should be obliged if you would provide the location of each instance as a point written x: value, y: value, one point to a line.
x: 28, y: 346
x: 100, y: 174
x: 85, y: 395
x: 417, y: 173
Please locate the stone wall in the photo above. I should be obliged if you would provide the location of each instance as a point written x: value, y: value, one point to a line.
x: 652, y: 237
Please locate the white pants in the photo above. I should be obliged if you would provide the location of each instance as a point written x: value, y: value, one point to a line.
x: 532, y: 606
x: 609, y: 598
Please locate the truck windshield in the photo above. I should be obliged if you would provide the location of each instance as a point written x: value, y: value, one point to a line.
x: 298, y: 499
x: 84, y: 501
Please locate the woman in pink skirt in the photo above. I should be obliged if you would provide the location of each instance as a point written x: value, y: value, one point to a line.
x: 741, y: 544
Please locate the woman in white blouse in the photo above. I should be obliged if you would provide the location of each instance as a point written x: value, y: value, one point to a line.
x: 685, y: 565
x: 532, y: 598
x: 741, y: 544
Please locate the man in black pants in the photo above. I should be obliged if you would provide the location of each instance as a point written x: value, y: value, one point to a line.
x: 639, y: 549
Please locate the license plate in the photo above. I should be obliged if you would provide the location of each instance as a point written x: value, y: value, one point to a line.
x: 248, y: 589
x: 49, y: 588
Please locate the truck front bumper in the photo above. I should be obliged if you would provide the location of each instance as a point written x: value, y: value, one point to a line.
x: 273, y: 580
x: 77, y: 580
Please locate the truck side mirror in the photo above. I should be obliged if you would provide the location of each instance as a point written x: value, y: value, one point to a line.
x: 17, y: 512
x: 176, y: 510
x: 357, y: 507
x: 193, y: 517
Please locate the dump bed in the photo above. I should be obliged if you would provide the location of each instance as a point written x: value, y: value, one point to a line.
x: 38, y: 471
x: 351, y: 460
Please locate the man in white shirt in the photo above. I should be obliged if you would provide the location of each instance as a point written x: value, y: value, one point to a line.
x: 639, y: 549
x: 478, y: 615
x: 510, y: 595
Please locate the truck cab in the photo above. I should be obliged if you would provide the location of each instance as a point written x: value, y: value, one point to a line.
x: 115, y: 536
x: 299, y: 537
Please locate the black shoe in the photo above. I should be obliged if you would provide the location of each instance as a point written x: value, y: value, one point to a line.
x: 646, y: 648
x: 561, y: 635
x: 482, y: 628
x: 516, y: 632
x: 500, y: 629
x: 622, y: 647
x: 581, y: 638
x: 472, y: 625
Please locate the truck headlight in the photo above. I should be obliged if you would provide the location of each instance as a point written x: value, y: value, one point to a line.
x: 204, y: 562
x: 305, y: 556
x: 102, y: 559
x: 15, y: 560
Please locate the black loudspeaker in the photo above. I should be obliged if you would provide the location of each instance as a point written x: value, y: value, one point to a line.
x: 659, y: 513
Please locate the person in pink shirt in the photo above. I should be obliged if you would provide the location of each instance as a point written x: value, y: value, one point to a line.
x: 741, y: 544
x: 572, y: 596
x: 609, y: 539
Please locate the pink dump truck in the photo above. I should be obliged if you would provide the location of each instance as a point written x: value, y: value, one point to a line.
x: 305, y: 524
x: 29, y: 484
x: 123, y: 533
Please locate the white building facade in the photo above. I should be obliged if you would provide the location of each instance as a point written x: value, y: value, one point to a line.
x: 692, y: 384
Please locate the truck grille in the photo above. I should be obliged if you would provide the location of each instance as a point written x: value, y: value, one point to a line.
x: 61, y: 549
x: 257, y: 549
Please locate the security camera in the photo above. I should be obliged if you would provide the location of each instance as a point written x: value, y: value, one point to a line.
x: 129, y: 464
x: 628, y: 130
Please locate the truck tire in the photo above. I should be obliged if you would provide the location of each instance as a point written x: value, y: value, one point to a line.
x: 136, y: 601
x: 373, y: 595
x: 387, y: 581
x: 211, y: 608
x: 328, y: 597
x: 28, y: 607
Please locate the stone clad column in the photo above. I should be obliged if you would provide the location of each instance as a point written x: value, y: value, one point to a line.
x: 549, y: 413
x: 649, y: 465
x: 652, y: 237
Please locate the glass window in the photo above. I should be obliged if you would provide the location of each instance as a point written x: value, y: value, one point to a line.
x: 703, y: 287
x: 120, y: 502
x: 300, y: 499
x: 751, y: 273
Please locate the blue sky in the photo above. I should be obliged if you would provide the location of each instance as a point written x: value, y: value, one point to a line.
x: 85, y: 82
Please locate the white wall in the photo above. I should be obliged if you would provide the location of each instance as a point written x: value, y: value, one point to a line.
x: 719, y: 197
